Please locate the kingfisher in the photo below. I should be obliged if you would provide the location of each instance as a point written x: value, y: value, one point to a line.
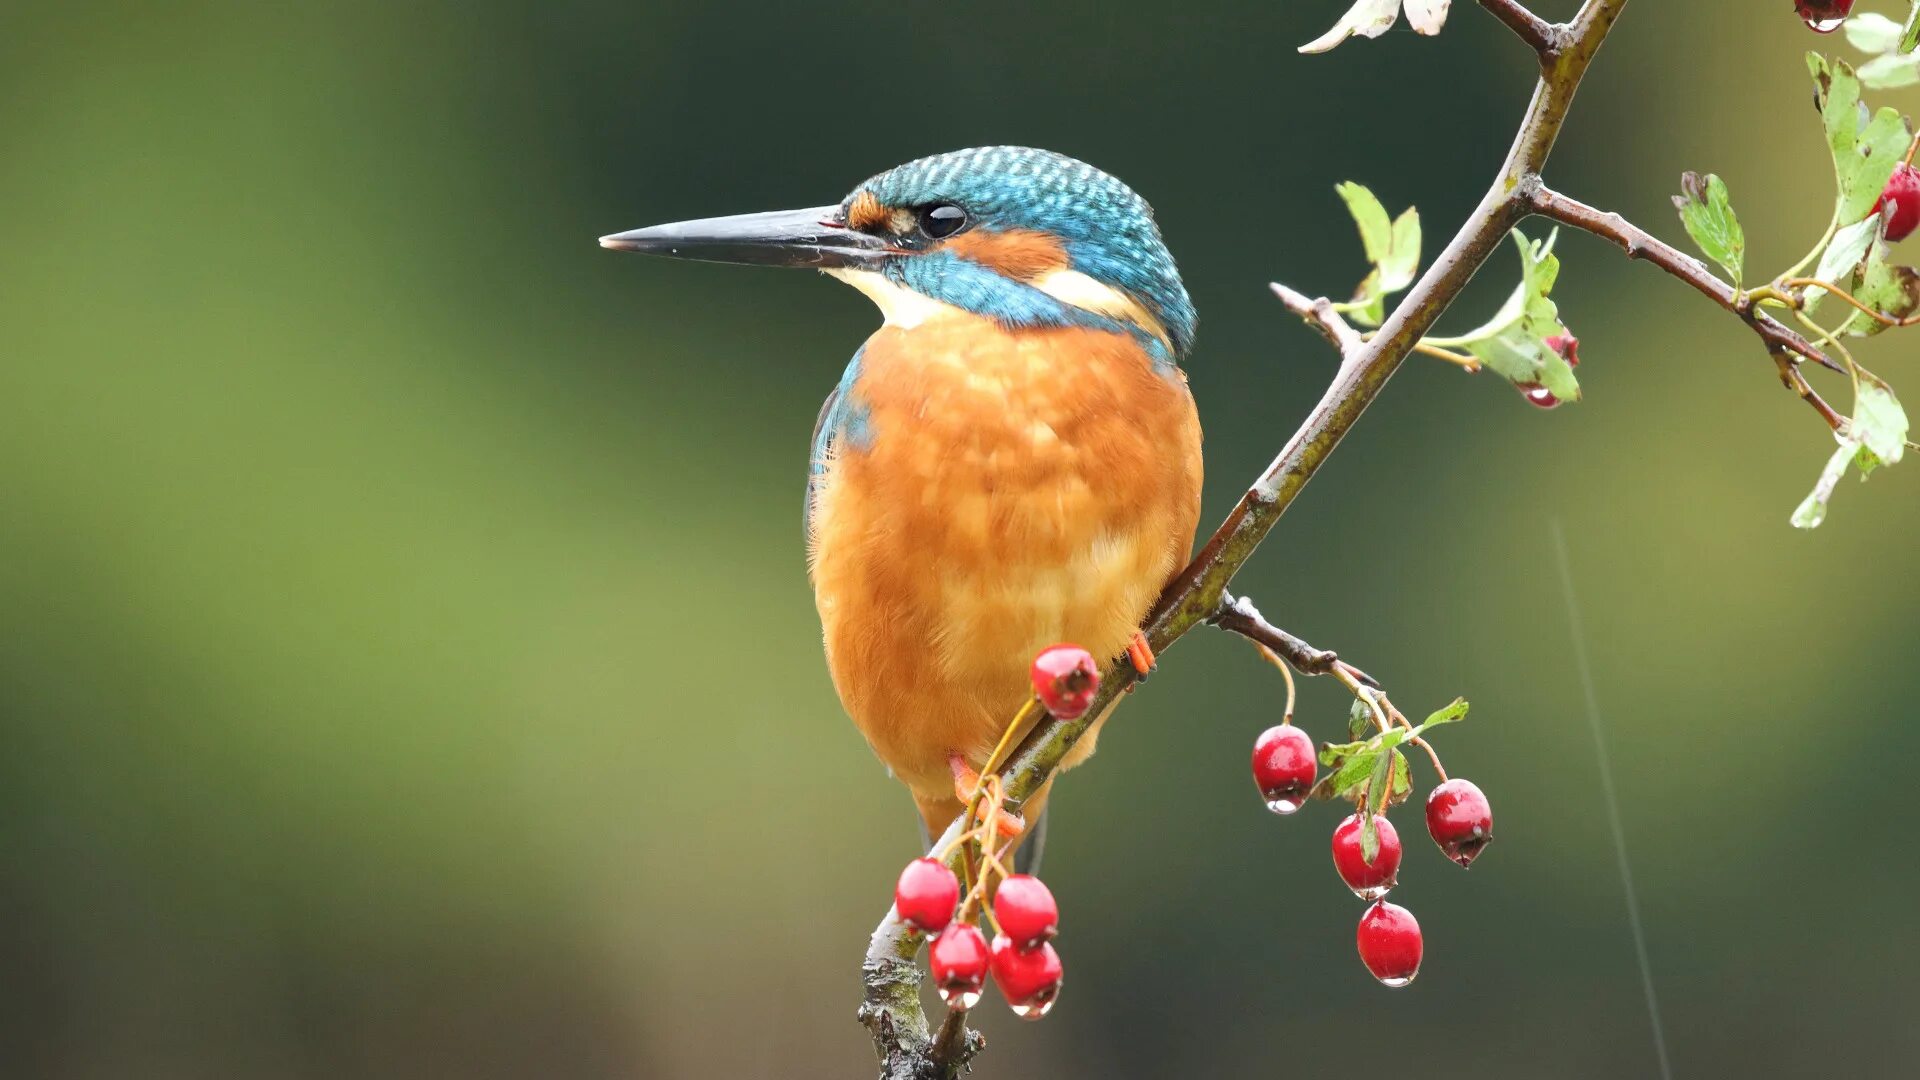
x: 1012, y: 460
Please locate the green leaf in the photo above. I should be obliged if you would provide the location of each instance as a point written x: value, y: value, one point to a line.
x: 1514, y: 342
x: 1369, y: 839
x: 1872, y: 32
x: 1455, y: 712
x: 1890, y: 289
x: 1367, y: 18
x: 1359, y: 719
x: 1879, y: 423
x: 1846, y: 252
x: 1402, y: 778
x: 1891, y: 71
x: 1813, y: 509
x: 1332, y: 754
x: 1380, y: 784
x: 1392, y: 246
x: 1910, y: 37
x: 1864, y: 156
x: 1710, y: 220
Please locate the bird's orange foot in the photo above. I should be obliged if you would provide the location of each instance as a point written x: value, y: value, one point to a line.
x: 1141, y: 654
x: 966, y: 782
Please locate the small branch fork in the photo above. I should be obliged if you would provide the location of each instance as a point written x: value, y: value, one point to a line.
x: 891, y: 1008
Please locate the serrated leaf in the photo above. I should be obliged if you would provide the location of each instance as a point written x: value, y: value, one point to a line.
x: 1879, y: 423
x: 1514, y: 342
x: 1910, y: 37
x: 1847, y: 251
x: 1872, y: 32
x: 1891, y: 71
x: 1367, y: 18
x: 1708, y: 215
x: 1380, y: 784
x: 1455, y: 712
x: 1353, y: 772
x: 1884, y: 286
x: 1392, y: 246
x: 1332, y: 754
x: 1864, y: 155
x: 1813, y: 509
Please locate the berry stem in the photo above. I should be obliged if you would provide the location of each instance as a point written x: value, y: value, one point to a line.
x: 1840, y: 293
x: 1286, y: 673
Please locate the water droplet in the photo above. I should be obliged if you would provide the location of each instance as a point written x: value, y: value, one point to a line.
x: 1037, y: 1008
x: 1285, y: 805
x: 1398, y: 981
x: 1372, y: 893
x: 960, y: 997
x: 1542, y: 397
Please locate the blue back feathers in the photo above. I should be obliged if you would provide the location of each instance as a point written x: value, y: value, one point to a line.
x: 1107, y: 230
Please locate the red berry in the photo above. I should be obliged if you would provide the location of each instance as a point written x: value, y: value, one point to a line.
x: 1368, y: 882
x: 926, y: 894
x: 1284, y: 767
x: 958, y: 959
x: 1065, y: 679
x: 1904, y: 190
x: 1537, y: 395
x: 1824, y: 16
x: 1026, y: 910
x: 1389, y: 940
x: 1029, y: 978
x: 1460, y: 820
x: 1567, y: 346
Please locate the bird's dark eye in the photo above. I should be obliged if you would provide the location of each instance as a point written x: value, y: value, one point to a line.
x: 942, y: 221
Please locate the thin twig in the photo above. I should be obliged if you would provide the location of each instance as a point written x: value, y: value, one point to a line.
x: 1640, y: 244
x: 1842, y: 294
x: 1319, y: 314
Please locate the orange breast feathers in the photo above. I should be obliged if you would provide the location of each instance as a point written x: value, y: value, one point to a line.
x: 1009, y: 490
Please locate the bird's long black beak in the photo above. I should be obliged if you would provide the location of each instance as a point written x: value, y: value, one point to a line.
x: 818, y: 238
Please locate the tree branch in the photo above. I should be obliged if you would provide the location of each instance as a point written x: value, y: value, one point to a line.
x: 1319, y: 314
x: 1640, y: 244
x: 892, y: 1003
x: 1542, y: 36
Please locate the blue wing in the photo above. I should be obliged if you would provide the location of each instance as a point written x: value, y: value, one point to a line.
x: 841, y: 419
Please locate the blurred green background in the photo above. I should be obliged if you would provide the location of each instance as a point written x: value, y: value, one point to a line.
x: 407, y: 666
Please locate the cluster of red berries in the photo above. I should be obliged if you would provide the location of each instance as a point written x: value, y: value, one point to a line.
x: 1021, y: 958
x: 1285, y: 765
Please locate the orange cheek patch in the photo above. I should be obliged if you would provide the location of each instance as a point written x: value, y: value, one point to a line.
x: 865, y: 212
x: 1018, y: 254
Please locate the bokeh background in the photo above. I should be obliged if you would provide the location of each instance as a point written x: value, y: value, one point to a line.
x: 407, y: 666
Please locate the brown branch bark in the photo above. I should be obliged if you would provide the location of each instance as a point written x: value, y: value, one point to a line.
x: 1637, y: 243
x: 1542, y: 36
x: 891, y: 1008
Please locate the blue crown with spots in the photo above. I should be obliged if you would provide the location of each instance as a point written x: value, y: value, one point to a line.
x: 1107, y: 229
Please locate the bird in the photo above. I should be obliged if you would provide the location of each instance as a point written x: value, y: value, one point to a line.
x: 1012, y: 460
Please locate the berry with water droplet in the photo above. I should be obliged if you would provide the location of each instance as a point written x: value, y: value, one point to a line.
x: 1369, y: 881
x: 1028, y: 978
x: 926, y: 894
x: 1026, y: 910
x: 1460, y: 820
x: 1824, y: 16
x: 1284, y: 766
x: 1904, y: 190
x: 958, y: 960
x: 1389, y: 940
x: 1065, y: 679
